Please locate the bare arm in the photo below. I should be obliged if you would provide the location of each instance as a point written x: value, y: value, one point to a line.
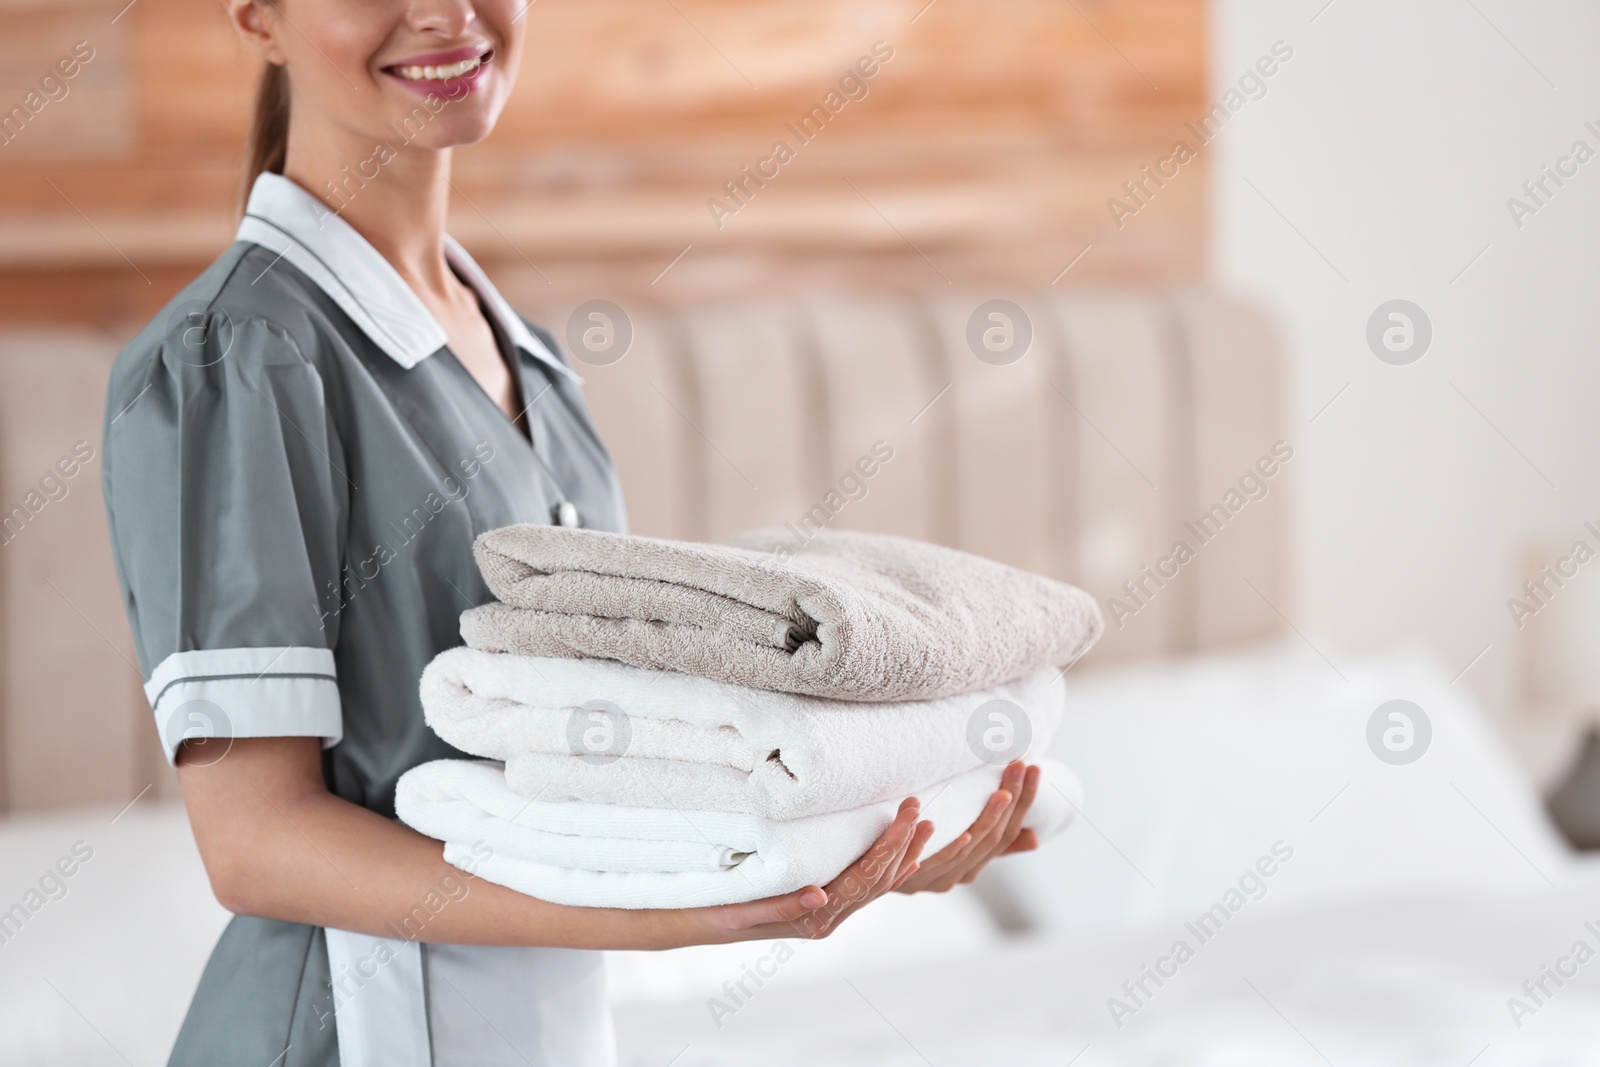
x: 277, y: 844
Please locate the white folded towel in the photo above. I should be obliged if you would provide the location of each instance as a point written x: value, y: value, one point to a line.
x: 611, y: 856
x: 685, y: 741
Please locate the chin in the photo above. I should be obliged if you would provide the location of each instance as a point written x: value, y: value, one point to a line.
x: 438, y: 122
x: 458, y: 132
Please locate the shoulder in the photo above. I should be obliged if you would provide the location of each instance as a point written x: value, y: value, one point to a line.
x: 242, y: 313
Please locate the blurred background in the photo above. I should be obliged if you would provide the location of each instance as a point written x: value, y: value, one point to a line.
x: 1085, y: 265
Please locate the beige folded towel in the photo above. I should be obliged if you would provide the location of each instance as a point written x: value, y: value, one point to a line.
x: 851, y: 616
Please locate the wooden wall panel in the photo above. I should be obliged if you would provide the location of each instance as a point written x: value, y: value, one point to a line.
x: 63, y: 78
x: 74, y: 727
x: 983, y: 153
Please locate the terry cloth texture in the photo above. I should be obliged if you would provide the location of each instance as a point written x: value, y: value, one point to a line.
x: 851, y: 616
x: 607, y: 733
x: 610, y: 856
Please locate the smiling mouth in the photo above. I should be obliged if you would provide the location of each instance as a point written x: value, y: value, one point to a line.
x: 466, y: 68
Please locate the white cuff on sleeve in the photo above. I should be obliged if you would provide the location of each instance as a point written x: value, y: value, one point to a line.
x: 245, y: 692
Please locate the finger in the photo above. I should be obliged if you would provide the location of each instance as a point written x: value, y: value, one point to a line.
x: 951, y: 853
x: 884, y: 868
x: 992, y: 823
x: 1019, y: 810
x: 1026, y: 841
x: 845, y: 905
x: 959, y: 853
x: 905, y: 876
x: 912, y: 862
x: 1015, y: 782
x: 913, y: 853
x: 891, y: 844
x: 991, y: 817
x: 787, y: 908
x: 985, y: 845
x: 889, y: 872
x: 811, y: 901
x: 886, y: 851
x: 978, y: 838
x: 859, y: 882
x: 1016, y: 776
x: 930, y: 870
x: 957, y: 858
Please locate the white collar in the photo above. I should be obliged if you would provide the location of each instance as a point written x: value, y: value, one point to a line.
x: 284, y: 218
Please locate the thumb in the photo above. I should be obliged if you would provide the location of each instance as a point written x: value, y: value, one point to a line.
x: 787, y: 908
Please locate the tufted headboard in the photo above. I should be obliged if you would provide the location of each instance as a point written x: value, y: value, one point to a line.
x: 1130, y: 415
x: 1134, y: 420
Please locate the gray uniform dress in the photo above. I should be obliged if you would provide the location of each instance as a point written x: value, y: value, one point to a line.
x: 295, y: 468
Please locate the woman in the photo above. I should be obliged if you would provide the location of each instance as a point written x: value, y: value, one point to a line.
x: 299, y: 452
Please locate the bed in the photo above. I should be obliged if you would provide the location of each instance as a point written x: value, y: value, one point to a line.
x: 1408, y: 980
x: 1417, y: 901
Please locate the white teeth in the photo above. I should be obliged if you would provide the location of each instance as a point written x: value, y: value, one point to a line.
x: 454, y: 70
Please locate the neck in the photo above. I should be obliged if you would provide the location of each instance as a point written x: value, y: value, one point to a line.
x: 395, y: 196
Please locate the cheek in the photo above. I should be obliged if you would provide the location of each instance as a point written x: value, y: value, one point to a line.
x: 350, y: 33
x: 504, y: 21
x: 333, y: 46
x: 501, y: 24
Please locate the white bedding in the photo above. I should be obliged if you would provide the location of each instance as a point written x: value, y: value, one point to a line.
x: 1406, y: 982
x: 103, y: 974
x: 1192, y: 769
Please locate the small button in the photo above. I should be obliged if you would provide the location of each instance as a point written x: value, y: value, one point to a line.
x: 566, y: 514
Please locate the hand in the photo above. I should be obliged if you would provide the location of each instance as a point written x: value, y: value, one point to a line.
x: 814, y: 912
x: 997, y: 831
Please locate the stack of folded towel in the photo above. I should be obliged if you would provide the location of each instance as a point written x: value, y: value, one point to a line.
x: 686, y: 724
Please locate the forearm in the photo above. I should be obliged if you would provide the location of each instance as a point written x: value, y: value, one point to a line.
x: 278, y: 845
x: 293, y: 851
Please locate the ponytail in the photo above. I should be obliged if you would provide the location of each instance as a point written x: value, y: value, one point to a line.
x: 269, y: 129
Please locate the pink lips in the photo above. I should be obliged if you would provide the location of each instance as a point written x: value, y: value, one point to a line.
x: 452, y: 88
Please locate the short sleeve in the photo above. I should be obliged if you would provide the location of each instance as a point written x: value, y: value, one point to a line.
x: 226, y: 495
